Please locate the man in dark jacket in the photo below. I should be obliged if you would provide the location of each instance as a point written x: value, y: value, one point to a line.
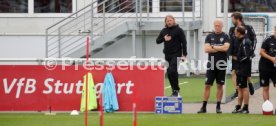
x: 237, y: 20
x: 174, y: 47
x: 243, y: 69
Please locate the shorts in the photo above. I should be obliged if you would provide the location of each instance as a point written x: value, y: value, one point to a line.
x: 265, y: 77
x: 235, y: 66
x: 218, y: 75
x: 242, y: 81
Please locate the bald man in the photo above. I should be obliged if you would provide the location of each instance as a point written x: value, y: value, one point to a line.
x: 216, y: 45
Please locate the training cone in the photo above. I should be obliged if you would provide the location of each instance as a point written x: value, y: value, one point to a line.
x: 267, y: 108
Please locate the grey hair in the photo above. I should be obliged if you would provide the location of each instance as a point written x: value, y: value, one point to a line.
x: 220, y: 21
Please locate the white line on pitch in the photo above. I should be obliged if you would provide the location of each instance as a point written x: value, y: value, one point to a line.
x: 179, y: 84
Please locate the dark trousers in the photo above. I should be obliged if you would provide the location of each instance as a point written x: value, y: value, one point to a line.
x: 172, y: 73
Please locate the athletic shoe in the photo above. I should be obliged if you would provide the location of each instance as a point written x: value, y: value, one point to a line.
x: 218, y: 111
x: 244, y: 111
x: 178, y: 94
x: 202, y: 110
x: 235, y: 111
x: 251, y: 89
x: 175, y: 93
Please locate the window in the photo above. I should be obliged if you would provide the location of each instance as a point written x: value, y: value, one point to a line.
x: 175, y: 5
x: 52, y: 6
x: 13, y: 6
x: 144, y: 5
x: 112, y: 6
x: 251, y: 6
x: 123, y: 6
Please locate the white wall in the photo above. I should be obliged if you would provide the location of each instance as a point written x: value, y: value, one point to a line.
x: 22, y: 46
x: 123, y: 48
x: 23, y: 36
x: 15, y: 43
x: 21, y: 24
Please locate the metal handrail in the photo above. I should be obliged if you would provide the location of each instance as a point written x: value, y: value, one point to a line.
x: 97, y: 22
x: 61, y: 36
x: 99, y: 26
x: 94, y: 30
x: 75, y: 13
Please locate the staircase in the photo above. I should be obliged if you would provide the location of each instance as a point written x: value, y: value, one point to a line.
x: 106, y: 23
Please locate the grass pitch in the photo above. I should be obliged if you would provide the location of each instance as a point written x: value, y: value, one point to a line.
x: 191, y: 88
x: 191, y: 91
x: 123, y: 119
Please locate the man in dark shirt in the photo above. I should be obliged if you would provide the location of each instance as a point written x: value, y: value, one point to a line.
x: 243, y: 68
x: 237, y: 20
x: 216, y: 45
x: 267, y: 64
x: 174, y: 46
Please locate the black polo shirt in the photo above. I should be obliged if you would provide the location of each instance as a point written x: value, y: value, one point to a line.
x: 217, y: 40
x: 269, y: 45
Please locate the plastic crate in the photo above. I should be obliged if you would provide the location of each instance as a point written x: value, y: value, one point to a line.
x: 168, y: 105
